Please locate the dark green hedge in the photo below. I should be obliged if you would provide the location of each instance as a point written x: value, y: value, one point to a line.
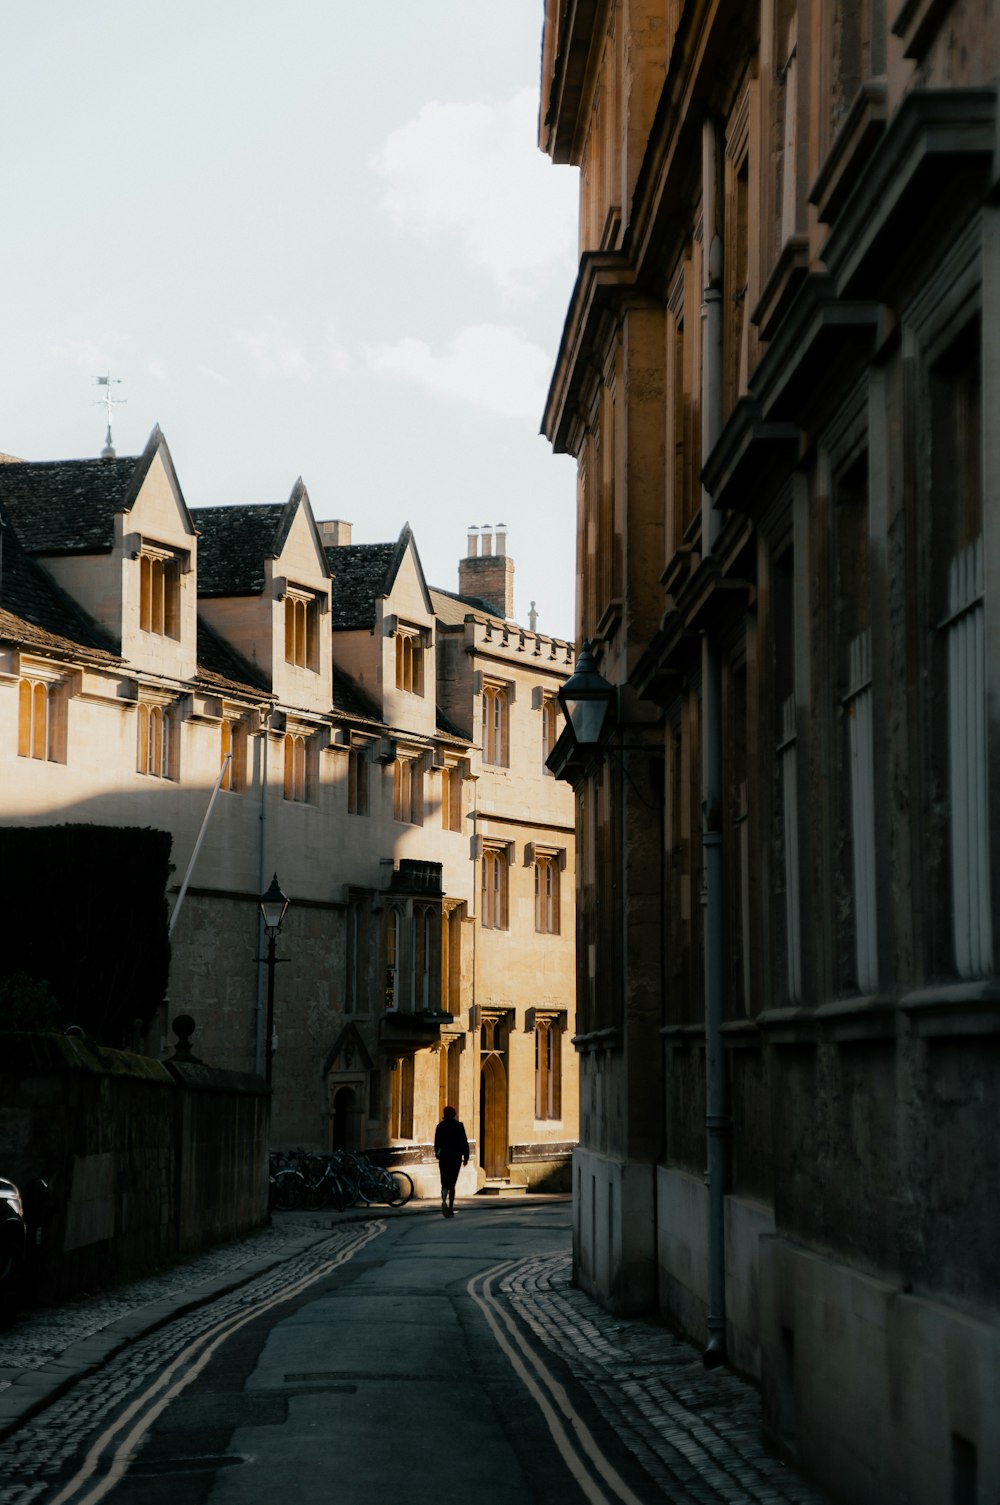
x: 84, y: 922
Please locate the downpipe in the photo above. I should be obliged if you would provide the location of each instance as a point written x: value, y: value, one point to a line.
x: 716, y: 1106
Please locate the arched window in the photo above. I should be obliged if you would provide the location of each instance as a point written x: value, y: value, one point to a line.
x: 547, y: 895
x: 38, y: 721
x: 233, y: 739
x: 409, y: 662
x: 424, y: 920
x: 548, y: 1068
x: 550, y: 726
x: 301, y: 630
x: 496, y: 719
x: 153, y: 753
x: 296, y: 768
x: 494, y: 905
x: 392, y: 940
x: 159, y: 594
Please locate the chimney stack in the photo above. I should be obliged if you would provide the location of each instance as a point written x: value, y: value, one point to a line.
x: 333, y: 533
x: 488, y: 575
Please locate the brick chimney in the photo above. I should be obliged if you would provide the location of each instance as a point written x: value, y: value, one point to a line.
x: 487, y: 572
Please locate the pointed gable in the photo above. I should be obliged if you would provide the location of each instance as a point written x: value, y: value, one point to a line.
x: 233, y: 543
x: 62, y: 507
x: 364, y: 572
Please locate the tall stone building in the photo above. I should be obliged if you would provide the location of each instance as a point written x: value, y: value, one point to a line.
x: 779, y: 374
x: 283, y: 701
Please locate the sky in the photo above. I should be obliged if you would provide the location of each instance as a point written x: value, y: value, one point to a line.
x: 316, y: 239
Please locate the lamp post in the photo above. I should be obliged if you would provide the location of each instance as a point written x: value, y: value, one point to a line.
x: 272, y: 907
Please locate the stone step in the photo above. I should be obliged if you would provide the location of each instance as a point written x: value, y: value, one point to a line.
x: 502, y: 1189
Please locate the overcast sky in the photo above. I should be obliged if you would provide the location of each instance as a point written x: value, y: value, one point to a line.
x: 315, y: 239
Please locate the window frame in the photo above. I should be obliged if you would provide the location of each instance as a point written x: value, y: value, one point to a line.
x: 497, y: 699
x: 495, y: 887
x: 160, y: 592
x: 301, y: 616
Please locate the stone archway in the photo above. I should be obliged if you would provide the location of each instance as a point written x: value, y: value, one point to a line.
x: 493, y: 1118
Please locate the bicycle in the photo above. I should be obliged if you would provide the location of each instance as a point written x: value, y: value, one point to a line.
x: 378, y: 1185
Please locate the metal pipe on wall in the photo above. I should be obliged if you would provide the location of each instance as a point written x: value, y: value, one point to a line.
x: 716, y: 1106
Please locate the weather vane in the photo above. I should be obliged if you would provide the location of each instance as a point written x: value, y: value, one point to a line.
x: 107, y: 382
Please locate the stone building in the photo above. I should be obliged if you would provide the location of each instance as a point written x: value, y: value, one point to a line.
x: 282, y: 701
x: 779, y: 374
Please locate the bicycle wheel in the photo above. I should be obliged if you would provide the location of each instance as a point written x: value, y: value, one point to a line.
x: 404, y: 1188
x: 289, y: 1190
x: 343, y: 1191
x: 375, y: 1186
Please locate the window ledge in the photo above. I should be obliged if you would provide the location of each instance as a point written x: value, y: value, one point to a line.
x: 854, y: 143
x: 682, y: 1034
x: 599, y: 1039
x: 870, y: 1018
x: 964, y: 1008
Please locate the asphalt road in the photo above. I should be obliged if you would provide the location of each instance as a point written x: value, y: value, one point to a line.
x: 384, y: 1367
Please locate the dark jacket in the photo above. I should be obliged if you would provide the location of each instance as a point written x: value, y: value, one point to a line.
x: 450, y: 1140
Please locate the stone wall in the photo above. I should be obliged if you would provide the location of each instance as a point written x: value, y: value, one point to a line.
x: 144, y: 1161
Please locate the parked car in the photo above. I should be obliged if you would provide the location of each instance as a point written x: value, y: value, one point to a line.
x: 13, y: 1241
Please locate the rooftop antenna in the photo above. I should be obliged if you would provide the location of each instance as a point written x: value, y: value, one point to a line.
x: 107, y: 382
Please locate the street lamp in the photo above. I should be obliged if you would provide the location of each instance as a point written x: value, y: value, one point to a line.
x: 588, y: 700
x: 272, y: 907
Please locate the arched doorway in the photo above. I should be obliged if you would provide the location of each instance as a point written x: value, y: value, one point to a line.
x: 343, y: 1132
x: 493, y: 1118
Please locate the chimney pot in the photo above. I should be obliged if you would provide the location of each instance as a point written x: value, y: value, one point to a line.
x: 473, y: 542
x: 487, y: 537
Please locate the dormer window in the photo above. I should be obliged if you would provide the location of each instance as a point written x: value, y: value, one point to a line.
x: 301, y: 629
x: 159, y: 592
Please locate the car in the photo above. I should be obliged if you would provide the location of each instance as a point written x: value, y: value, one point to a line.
x: 13, y: 1241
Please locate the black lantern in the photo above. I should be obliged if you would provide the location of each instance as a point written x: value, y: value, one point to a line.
x: 272, y: 906
x: 587, y: 700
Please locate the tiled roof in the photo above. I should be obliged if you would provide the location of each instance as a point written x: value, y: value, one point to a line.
x: 66, y: 506
x: 453, y: 610
x: 233, y: 544
x: 220, y: 664
x: 47, y: 616
x: 361, y: 571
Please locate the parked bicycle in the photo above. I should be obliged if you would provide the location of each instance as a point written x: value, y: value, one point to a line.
x: 307, y: 1179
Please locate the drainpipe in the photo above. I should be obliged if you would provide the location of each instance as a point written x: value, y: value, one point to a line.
x: 258, y: 1034
x: 716, y: 1117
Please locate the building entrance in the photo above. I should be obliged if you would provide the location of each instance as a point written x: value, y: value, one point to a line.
x: 493, y: 1118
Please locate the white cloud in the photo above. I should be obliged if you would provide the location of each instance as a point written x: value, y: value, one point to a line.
x: 157, y: 369
x: 473, y: 170
x: 272, y: 351
x: 87, y: 354
x: 487, y: 365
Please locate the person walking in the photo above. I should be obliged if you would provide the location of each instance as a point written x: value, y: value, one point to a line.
x: 451, y: 1146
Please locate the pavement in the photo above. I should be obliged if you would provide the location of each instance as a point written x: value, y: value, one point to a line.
x: 696, y: 1432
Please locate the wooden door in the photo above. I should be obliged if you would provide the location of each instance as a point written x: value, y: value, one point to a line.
x: 493, y: 1118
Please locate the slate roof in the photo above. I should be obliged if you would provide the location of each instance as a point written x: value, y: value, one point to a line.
x: 38, y: 613
x: 233, y: 544
x: 220, y: 665
x: 361, y: 571
x: 67, y: 506
x: 452, y: 609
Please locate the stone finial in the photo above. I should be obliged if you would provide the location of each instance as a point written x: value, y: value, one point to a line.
x: 184, y: 1027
